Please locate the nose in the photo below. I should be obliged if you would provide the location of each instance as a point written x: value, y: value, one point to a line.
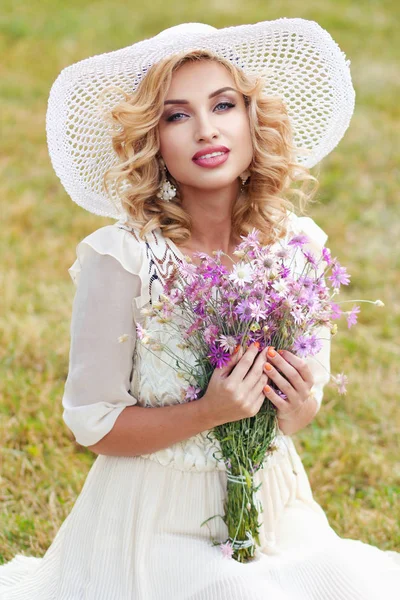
x: 206, y: 129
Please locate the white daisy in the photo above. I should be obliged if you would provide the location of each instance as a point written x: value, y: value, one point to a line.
x: 242, y: 273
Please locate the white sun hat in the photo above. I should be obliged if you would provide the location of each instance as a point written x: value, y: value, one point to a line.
x: 301, y: 62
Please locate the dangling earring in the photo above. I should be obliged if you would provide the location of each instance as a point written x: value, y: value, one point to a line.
x: 167, y: 190
x: 244, y: 177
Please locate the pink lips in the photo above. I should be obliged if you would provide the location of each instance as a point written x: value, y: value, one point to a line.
x: 211, y: 162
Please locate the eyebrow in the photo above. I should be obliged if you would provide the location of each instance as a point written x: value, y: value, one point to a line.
x: 210, y: 96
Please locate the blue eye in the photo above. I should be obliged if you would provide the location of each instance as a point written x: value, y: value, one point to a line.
x: 171, y: 118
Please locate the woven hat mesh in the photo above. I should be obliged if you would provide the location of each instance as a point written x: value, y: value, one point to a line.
x: 300, y: 61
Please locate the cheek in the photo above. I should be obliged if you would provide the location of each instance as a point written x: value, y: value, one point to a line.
x: 171, y: 144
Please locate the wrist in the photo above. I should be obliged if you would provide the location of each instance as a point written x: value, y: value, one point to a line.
x: 203, y: 414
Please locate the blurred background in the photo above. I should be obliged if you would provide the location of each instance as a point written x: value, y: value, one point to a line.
x: 351, y: 450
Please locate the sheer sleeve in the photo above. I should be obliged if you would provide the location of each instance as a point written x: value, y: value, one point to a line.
x: 97, y: 388
x: 320, y: 363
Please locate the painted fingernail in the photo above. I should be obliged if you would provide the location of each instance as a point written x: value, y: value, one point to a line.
x: 267, y: 367
x: 280, y: 352
x: 267, y: 389
x: 257, y: 344
x: 236, y: 349
x: 271, y: 351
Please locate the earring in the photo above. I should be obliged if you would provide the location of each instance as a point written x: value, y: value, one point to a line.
x: 166, y: 190
x: 244, y: 177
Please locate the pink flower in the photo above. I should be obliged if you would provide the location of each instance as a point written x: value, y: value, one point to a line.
x: 210, y: 333
x: 188, y: 271
x: 310, y: 257
x: 227, y: 342
x: 336, y: 311
x: 339, y: 276
x: 141, y: 332
x: 340, y: 380
x: 192, y: 392
x: 226, y: 549
x: 352, y: 316
x: 326, y: 256
x: 257, y: 311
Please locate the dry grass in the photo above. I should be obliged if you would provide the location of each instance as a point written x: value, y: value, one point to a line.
x: 351, y: 450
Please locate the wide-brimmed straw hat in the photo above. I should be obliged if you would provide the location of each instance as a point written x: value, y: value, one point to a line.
x: 300, y: 61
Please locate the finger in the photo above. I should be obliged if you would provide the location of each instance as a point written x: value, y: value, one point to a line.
x: 260, y: 401
x: 299, y: 364
x: 233, y: 360
x: 276, y: 400
x: 253, y: 376
x: 280, y: 365
x: 282, y: 384
x: 245, y: 364
x: 260, y: 384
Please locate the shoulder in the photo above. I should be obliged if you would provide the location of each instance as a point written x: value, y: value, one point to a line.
x: 119, y: 241
x: 309, y: 227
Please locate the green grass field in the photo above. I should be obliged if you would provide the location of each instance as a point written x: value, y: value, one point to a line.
x: 351, y: 450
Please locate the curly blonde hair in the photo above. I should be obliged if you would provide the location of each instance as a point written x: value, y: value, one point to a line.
x: 135, y: 138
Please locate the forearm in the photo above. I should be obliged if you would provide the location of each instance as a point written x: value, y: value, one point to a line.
x: 140, y: 430
x: 300, y: 419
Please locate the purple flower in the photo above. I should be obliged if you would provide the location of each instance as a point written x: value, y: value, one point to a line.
x: 310, y: 258
x: 214, y: 273
x: 244, y: 310
x: 301, y: 346
x: 228, y: 463
x: 284, y: 271
x: 218, y: 357
x: 326, y: 256
x: 339, y: 276
x: 352, y: 316
x: 299, y: 240
x: 314, y: 345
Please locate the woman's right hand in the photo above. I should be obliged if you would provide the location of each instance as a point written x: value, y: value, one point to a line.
x: 235, y: 391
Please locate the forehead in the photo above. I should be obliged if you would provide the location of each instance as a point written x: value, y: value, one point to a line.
x: 205, y: 75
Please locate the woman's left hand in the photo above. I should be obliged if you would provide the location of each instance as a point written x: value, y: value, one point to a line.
x: 297, y: 386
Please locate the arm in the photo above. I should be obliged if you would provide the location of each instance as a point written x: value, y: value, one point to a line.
x: 98, y: 406
x: 140, y: 430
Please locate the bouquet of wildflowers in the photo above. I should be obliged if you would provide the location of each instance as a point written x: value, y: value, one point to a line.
x: 266, y: 298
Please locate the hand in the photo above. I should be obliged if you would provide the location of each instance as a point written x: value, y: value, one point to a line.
x: 297, y: 386
x: 235, y: 391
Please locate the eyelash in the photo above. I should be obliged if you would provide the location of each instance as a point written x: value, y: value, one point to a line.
x: 172, y: 120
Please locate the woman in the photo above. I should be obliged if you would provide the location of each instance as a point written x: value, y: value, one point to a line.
x: 204, y: 156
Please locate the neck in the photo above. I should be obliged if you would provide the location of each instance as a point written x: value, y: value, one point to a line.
x: 211, y: 218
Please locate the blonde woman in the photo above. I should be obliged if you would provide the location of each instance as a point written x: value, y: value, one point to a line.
x: 198, y: 150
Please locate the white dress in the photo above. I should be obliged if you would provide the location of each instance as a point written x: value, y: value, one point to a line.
x: 134, y: 531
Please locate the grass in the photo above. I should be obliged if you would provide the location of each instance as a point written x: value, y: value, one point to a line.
x: 351, y: 450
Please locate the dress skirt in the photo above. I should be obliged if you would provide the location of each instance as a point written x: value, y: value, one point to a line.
x: 134, y: 533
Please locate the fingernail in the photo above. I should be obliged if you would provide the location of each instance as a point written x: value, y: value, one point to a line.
x: 236, y: 349
x: 271, y: 351
x: 280, y: 352
x: 257, y: 344
x: 267, y: 367
x: 267, y: 389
